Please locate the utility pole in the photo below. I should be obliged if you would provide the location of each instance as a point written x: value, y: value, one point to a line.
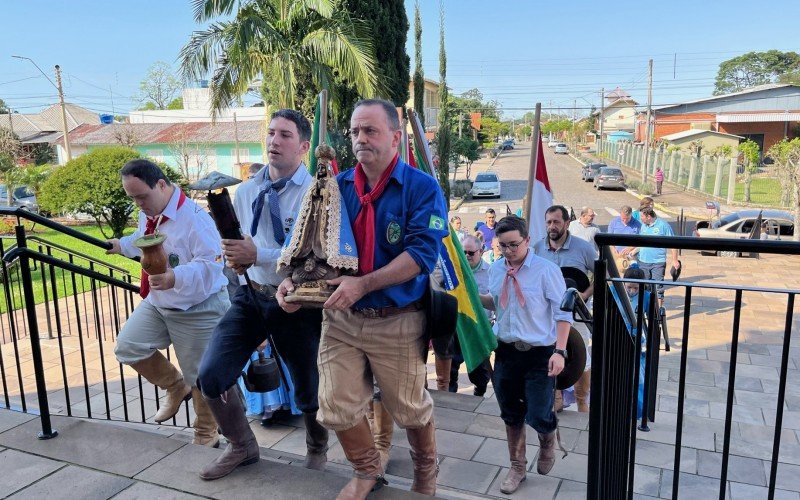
x: 602, y: 112
x: 63, y: 113
x: 645, y: 164
x: 11, y: 121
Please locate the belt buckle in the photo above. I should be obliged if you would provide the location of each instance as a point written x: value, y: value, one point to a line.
x: 370, y: 312
x: 522, y: 346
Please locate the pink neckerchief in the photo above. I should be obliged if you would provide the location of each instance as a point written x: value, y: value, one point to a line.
x: 511, y: 276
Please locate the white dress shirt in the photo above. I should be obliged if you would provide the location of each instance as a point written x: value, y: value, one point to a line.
x: 543, y: 288
x: 289, y: 198
x: 194, y: 244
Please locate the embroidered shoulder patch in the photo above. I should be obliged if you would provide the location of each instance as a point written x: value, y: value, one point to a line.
x: 436, y: 222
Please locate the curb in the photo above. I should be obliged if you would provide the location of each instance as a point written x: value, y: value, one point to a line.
x: 665, y: 209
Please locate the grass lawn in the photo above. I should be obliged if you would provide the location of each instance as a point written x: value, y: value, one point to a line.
x: 64, y: 278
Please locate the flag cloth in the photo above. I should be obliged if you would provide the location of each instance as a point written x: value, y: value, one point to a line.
x: 542, y: 198
x: 472, y: 326
x: 312, y: 159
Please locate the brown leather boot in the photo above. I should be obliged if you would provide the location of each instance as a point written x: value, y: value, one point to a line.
x: 582, y: 387
x: 558, y: 402
x: 383, y: 429
x: 316, y: 443
x: 359, y: 448
x: 160, y: 372
x: 547, y: 453
x: 205, y: 427
x: 443, y: 373
x: 516, y: 451
x: 228, y: 410
x: 423, y: 454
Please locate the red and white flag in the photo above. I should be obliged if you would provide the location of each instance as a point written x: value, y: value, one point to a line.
x: 542, y: 198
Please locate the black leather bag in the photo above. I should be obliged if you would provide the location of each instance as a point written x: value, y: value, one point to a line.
x: 441, y: 314
x: 262, y: 375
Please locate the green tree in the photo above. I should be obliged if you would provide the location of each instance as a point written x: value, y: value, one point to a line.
x: 419, y: 77
x: 752, y: 158
x: 524, y: 132
x: 786, y: 155
x: 91, y: 184
x: 33, y: 176
x: 176, y: 103
x: 491, y: 130
x: 556, y: 126
x: 754, y: 68
x: 3, y: 108
x: 444, y: 134
x: 158, y: 88
x: 278, y: 41
x: 465, y: 148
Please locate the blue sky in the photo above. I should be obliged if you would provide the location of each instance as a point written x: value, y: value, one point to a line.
x: 515, y: 51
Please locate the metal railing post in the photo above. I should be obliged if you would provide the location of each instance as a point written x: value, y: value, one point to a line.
x: 33, y: 332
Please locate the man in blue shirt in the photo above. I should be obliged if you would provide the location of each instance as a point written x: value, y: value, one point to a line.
x: 374, y: 323
x: 653, y: 261
x: 487, y: 228
x: 624, y: 223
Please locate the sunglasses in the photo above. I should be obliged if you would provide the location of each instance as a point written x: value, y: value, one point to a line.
x: 471, y: 253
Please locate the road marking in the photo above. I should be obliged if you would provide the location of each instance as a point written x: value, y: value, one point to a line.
x: 611, y: 211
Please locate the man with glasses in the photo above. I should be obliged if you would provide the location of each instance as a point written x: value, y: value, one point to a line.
x: 526, y: 292
x: 481, y: 375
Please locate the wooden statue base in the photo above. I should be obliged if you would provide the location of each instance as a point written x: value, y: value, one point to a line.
x: 311, y: 294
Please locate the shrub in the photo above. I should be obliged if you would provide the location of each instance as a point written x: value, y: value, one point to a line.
x: 91, y: 184
x: 460, y: 188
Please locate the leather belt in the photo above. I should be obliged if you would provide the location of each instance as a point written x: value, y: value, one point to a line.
x: 267, y: 291
x: 384, y: 312
x: 518, y: 345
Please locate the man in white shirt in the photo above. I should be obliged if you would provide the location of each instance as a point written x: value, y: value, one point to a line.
x: 267, y: 205
x: 182, y: 305
x: 585, y: 228
x: 532, y: 331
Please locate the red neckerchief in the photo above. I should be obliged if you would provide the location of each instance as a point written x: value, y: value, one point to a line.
x: 365, y: 221
x: 152, y: 222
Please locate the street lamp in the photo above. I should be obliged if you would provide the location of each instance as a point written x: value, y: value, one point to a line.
x: 58, y: 87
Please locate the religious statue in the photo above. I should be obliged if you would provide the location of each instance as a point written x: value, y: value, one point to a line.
x: 321, y: 245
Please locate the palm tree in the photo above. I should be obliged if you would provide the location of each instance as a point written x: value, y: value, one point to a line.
x: 279, y: 41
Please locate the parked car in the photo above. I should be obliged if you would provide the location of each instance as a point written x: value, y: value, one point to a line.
x: 552, y: 143
x: 779, y: 226
x: 22, y: 197
x: 590, y: 170
x: 561, y: 148
x: 609, y: 178
x: 486, y: 184
x: 508, y: 144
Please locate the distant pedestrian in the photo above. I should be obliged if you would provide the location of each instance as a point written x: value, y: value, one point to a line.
x: 645, y: 202
x: 659, y: 176
x: 455, y: 221
x: 584, y: 227
x: 487, y: 228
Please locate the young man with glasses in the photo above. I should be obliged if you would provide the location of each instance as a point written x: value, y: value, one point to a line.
x: 526, y: 292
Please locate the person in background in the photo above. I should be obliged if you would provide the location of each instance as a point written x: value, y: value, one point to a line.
x: 455, y: 221
x: 624, y: 223
x: 584, y: 227
x: 645, y: 202
x: 653, y: 261
x: 659, y: 178
x: 490, y: 256
x: 487, y: 228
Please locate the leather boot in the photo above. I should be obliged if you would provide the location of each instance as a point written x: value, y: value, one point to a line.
x: 519, y: 464
x: 443, y: 373
x: 316, y: 443
x: 423, y: 454
x: 228, y: 410
x: 359, y: 448
x: 205, y: 427
x: 582, y: 391
x: 547, y: 453
x: 558, y: 403
x: 160, y: 372
x: 382, y: 429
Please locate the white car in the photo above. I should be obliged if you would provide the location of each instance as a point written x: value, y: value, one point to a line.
x: 552, y: 143
x: 561, y: 148
x: 779, y: 225
x: 486, y: 184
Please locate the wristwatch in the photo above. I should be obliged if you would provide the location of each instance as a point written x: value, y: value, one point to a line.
x: 562, y: 352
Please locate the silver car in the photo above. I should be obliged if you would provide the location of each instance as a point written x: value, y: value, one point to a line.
x: 22, y: 197
x: 609, y: 178
x: 487, y: 184
x: 776, y: 225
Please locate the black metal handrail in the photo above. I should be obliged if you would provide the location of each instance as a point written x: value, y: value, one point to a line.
x: 702, y: 244
x: 21, y: 213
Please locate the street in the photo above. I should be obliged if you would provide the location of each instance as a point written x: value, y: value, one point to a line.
x: 564, y: 173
